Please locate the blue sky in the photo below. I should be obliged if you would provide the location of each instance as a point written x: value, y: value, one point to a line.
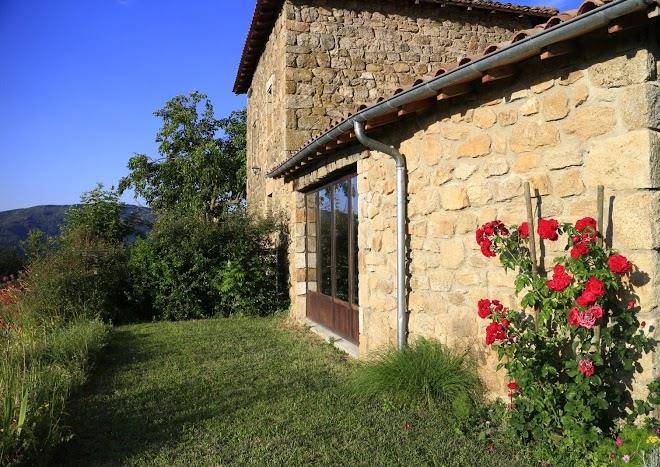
x: 80, y: 80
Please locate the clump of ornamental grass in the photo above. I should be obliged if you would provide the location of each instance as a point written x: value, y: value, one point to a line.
x: 424, y: 373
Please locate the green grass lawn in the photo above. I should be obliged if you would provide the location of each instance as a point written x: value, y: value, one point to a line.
x: 248, y: 391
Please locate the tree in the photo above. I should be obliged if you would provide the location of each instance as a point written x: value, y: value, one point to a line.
x: 201, y: 167
x: 100, y: 213
x: 10, y: 262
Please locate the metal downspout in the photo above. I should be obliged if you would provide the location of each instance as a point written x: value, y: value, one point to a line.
x: 401, y: 197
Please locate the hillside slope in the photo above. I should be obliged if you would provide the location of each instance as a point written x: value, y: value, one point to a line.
x: 17, y: 223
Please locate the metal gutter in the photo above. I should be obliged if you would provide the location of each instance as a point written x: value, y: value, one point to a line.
x: 401, y: 199
x: 513, y: 53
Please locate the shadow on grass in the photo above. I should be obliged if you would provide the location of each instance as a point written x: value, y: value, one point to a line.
x: 149, y: 392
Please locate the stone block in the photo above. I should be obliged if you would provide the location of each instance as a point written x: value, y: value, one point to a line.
x: 484, y: 118
x: 474, y: 146
x: 639, y: 106
x: 528, y: 136
x: 530, y: 107
x: 559, y: 159
x: 480, y: 192
x: 589, y: 121
x: 579, y: 94
x: 441, y: 224
x: 525, y: 162
x: 542, y: 86
x: 631, y: 160
x: 498, y: 166
x: 567, y: 182
x: 623, y: 70
x: 464, y: 170
x: 454, y: 197
x: 636, y: 220
x: 554, y: 105
x: 507, y: 117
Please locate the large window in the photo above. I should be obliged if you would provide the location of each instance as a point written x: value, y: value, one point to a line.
x: 334, y: 238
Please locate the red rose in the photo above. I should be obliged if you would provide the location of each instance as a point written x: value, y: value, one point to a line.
x: 498, y: 305
x: 586, y: 319
x: 596, y: 311
x: 484, y: 308
x: 495, y: 332
x: 586, y: 222
x: 512, y: 385
x: 631, y: 304
x: 487, y: 230
x: 505, y: 322
x: 579, y: 249
x: 595, y: 286
x: 619, y: 264
x: 560, y: 279
x: 548, y: 229
x: 523, y: 230
x: 485, y: 248
x: 574, y: 317
x: 586, y: 299
x: 586, y: 367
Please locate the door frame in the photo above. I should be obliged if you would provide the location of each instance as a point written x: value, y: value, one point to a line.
x: 339, y: 316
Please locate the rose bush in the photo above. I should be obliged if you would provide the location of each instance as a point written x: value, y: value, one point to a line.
x: 572, y: 360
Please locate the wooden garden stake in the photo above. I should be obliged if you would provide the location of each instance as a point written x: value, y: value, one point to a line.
x: 530, y: 224
x: 532, y: 240
x: 599, y: 210
x: 600, y: 201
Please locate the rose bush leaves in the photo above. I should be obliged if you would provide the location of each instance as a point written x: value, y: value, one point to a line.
x: 574, y: 363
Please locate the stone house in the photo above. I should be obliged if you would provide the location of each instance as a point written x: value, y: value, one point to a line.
x: 497, y: 96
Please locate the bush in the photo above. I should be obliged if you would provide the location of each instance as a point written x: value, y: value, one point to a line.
x: 426, y: 372
x: 84, y: 276
x: 190, y: 267
x: 10, y: 262
x: 573, y: 347
x: 41, y: 363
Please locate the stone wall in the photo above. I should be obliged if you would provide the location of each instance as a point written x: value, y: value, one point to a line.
x: 566, y: 126
x: 265, y: 114
x: 322, y: 61
x: 339, y: 58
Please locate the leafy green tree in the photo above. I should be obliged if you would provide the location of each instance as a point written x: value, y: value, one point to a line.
x: 100, y: 213
x: 10, y: 262
x: 201, y: 163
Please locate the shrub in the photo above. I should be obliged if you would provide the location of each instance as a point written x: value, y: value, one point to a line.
x: 10, y: 262
x: 84, y: 276
x: 572, y: 361
x: 426, y: 372
x: 41, y: 362
x: 190, y: 267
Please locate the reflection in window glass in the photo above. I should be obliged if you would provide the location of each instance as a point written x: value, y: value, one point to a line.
x: 354, y: 213
x: 310, y: 212
x: 342, y: 193
x: 325, y: 241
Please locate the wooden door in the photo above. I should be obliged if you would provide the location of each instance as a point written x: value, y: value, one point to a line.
x: 332, y: 257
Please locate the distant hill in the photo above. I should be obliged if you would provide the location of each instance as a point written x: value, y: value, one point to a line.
x: 15, y: 224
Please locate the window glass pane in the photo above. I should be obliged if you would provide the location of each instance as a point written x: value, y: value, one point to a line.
x: 310, y: 213
x: 325, y: 241
x: 354, y: 213
x: 342, y: 192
